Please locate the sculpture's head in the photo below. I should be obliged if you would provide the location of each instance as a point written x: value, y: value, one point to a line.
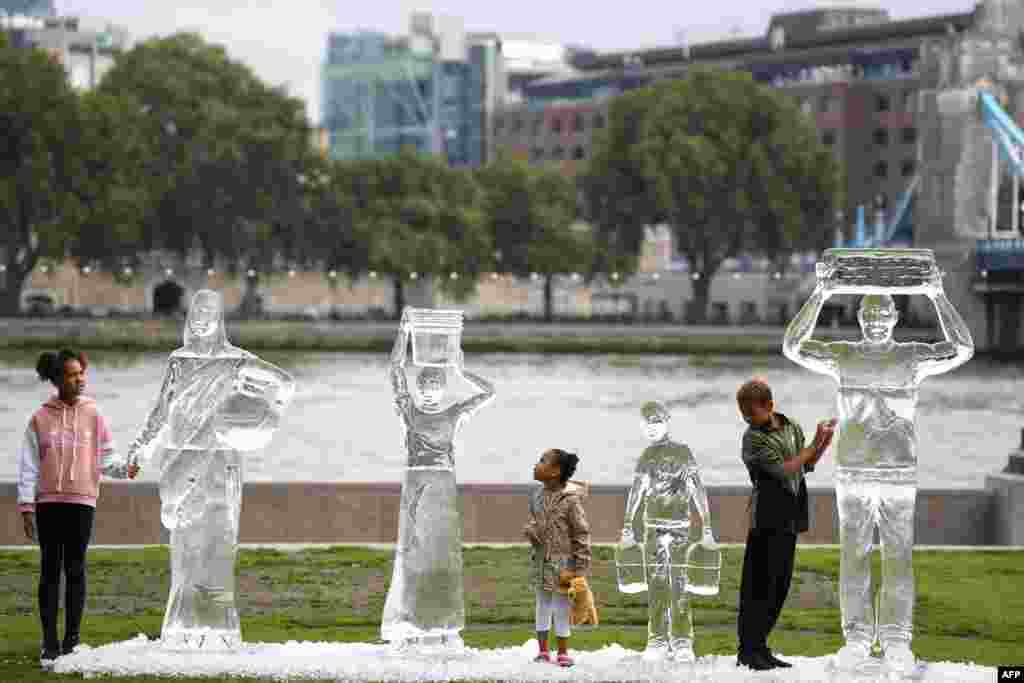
x: 656, y: 419
x: 204, y: 326
x: 431, y: 382
x: 877, y: 316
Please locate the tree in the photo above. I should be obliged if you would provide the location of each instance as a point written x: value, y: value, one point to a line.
x: 617, y: 199
x: 61, y: 169
x: 420, y: 216
x: 531, y: 212
x: 731, y: 165
x: 229, y: 154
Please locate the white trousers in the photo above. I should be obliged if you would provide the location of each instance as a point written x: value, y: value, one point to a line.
x: 553, y: 604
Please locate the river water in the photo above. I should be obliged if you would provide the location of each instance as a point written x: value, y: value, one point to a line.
x: 341, y: 426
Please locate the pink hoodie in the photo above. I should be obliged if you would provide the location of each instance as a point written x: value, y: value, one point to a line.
x: 65, y: 450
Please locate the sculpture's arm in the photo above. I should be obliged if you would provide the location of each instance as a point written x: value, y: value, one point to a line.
x: 484, y: 388
x: 637, y: 495
x: 699, y: 499
x: 156, y: 421
x: 399, y: 382
x: 957, y: 346
x: 797, y: 344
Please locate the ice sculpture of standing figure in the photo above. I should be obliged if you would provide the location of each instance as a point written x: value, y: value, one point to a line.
x: 216, y: 403
x: 424, y: 605
x: 876, y: 459
x: 666, y: 482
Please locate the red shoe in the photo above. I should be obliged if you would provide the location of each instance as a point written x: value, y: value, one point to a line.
x: 564, y: 660
x: 544, y: 657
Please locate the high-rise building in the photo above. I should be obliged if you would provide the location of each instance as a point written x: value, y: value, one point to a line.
x: 425, y: 90
x: 854, y: 72
x: 86, y: 48
x: 28, y: 8
x: 435, y: 89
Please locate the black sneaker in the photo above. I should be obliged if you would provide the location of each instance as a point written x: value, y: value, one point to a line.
x: 69, y: 645
x: 48, y: 656
x: 767, y: 654
x: 754, y: 660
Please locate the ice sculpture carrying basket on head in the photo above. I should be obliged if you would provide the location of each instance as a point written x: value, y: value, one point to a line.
x: 424, y: 605
x: 878, y: 380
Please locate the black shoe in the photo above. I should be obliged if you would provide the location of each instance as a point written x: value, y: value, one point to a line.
x: 48, y: 656
x: 767, y: 654
x: 69, y: 645
x: 754, y: 660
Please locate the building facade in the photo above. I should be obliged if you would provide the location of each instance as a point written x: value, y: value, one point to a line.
x: 85, y: 48
x: 853, y: 71
x: 435, y: 89
x: 425, y: 90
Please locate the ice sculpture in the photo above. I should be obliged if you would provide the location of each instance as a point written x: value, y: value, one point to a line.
x: 875, y: 451
x: 424, y: 605
x: 666, y: 482
x: 217, y: 402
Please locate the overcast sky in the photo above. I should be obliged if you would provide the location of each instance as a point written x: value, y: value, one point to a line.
x: 283, y: 40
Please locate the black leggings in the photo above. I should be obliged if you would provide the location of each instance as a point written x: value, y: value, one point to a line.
x: 64, y: 530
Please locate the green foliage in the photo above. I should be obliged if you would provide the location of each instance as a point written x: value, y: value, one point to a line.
x: 40, y: 164
x: 531, y: 213
x: 420, y: 216
x: 730, y: 165
x: 226, y: 151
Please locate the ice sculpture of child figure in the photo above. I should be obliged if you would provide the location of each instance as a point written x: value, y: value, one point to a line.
x: 876, y: 459
x: 216, y: 403
x: 666, y: 482
x: 424, y: 605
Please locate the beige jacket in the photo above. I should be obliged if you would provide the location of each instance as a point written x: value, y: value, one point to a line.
x: 559, y: 534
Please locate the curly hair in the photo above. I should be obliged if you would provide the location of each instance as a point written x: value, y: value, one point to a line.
x: 50, y: 365
x: 566, y: 462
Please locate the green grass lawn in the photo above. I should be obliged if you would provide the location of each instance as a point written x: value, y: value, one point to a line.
x: 970, y: 605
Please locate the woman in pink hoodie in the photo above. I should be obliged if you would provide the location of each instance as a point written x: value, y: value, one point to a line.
x: 66, y: 447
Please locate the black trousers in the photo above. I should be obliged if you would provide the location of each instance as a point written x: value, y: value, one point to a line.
x: 64, y: 531
x: 767, y: 573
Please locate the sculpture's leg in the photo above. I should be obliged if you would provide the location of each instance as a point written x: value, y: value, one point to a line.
x: 681, y: 618
x: 425, y: 600
x: 856, y: 501
x: 896, y: 531
x: 659, y: 592
x: 202, y: 612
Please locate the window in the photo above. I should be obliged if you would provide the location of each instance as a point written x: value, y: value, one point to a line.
x: 535, y: 128
x: 882, y: 103
x: 881, y: 169
x: 517, y: 124
x: 598, y: 120
x: 556, y: 124
x: 577, y: 123
x: 881, y: 137
x: 536, y: 154
x: 828, y: 138
x: 499, y: 123
x: 909, y: 135
x: 908, y: 167
x: 829, y: 104
x: 558, y: 153
x: 578, y: 153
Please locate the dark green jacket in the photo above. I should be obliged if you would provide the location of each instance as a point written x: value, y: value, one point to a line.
x: 778, y: 501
